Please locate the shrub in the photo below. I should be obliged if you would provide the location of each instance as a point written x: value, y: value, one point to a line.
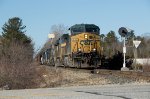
x: 116, y: 61
x: 16, y: 69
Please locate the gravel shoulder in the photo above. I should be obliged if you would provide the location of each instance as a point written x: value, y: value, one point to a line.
x: 60, y: 77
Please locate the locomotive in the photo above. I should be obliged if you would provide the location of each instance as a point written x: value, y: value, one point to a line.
x: 80, y: 48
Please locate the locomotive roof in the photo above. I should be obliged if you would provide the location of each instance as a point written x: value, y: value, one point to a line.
x: 84, y: 26
x: 79, y: 28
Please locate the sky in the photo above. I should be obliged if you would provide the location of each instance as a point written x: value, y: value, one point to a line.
x: 40, y: 15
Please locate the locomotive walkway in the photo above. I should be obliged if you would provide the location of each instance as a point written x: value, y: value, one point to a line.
x: 127, y: 91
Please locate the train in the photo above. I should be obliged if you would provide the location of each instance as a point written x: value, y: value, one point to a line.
x: 80, y: 48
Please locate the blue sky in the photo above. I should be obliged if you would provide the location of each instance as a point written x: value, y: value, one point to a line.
x: 40, y: 15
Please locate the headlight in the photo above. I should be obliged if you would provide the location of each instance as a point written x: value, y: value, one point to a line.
x: 79, y: 49
x: 94, y: 49
x: 85, y: 36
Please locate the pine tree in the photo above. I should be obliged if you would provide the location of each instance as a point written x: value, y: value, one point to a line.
x: 13, y: 30
x: 111, y: 42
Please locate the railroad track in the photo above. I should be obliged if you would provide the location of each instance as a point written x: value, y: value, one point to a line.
x: 85, y: 69
x: 121, y: 74
x: 129, y: 74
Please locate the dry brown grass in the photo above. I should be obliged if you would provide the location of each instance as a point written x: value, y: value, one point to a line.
x: 49, y: 76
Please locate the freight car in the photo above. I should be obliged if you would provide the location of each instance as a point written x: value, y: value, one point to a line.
x: 78, y: 49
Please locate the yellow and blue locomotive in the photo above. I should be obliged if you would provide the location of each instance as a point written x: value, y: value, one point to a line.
x: 80, y: 48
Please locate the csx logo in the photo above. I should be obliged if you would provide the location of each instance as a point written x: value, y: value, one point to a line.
x: 86, y: 42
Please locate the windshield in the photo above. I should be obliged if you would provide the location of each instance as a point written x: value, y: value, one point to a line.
x: 92, y: 30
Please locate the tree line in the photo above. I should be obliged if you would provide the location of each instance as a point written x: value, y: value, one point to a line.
x: 111, y: 45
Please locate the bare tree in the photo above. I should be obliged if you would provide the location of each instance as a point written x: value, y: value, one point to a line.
x: 58, y: 30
